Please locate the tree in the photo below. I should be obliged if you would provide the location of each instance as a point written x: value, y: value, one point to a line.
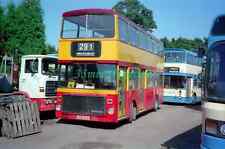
x: 166, y: 42
x: 189, y: 44
x: 137, y: 12
x: 2, y: 30
x: 31, y: 30
x: 49, y: 50
x: 12, y: 29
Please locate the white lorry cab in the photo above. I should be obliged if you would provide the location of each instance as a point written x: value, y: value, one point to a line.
x: 38, y: 79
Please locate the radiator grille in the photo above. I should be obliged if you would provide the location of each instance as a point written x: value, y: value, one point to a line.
x: 50, y: 89
x: 84, y: 104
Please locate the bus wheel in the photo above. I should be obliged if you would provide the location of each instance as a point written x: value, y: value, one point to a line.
x: 133, y: 113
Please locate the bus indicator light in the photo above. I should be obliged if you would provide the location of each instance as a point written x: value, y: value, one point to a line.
x: 109, y: 101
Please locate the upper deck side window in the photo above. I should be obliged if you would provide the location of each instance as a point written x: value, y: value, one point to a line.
x: 133, y: 35
x: 88, y: 26
x: 175, y: 57
x: 193, y: 59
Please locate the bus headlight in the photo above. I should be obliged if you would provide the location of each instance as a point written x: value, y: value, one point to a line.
x: 58, y: 107
x: 214, y: 127
x: 111, y: 111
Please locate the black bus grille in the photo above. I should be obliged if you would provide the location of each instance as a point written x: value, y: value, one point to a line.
x: 50, y: 89
x: 84, y: 105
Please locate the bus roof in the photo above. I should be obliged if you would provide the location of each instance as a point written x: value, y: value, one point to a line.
x: 40, y: 56
x: 217, y: 32
x: 99, y: 11
x: 93, y: 11
x: 180, y: 49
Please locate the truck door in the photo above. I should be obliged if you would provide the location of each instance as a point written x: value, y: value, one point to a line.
x: 29, y: 77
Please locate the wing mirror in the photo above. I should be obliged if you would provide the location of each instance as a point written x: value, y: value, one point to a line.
x: 201, y: 52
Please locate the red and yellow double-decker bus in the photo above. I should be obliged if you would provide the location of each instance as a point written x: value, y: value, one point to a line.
x: 110, y: 67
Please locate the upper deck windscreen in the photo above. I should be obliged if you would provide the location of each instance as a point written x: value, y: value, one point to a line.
x: 218, y: 26
x: 215, y: 66
x: 88, y: 26
x: 182, y: 56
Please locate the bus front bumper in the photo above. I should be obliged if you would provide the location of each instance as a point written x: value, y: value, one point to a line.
x: 74, y: 116
x: 45, y: 104
x: 211, y: 142
x: 182, y: 100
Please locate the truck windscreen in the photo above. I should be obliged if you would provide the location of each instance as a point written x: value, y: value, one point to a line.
x: 49, y: 66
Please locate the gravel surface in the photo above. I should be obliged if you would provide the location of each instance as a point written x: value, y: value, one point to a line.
x: 173, y: 127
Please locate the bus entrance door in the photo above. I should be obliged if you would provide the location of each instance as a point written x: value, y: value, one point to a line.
x: 189, y: 86
x: 122, y: 90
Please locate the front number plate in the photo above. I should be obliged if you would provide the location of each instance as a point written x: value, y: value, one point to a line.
x: 82, y: 117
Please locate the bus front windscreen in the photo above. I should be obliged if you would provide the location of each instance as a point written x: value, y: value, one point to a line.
x: 88, y: 26
x: 89, y: 76
x: 174, y: 82
x: 215, y: 74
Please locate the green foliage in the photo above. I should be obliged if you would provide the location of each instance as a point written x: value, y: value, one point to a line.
x: 32, y: 32
x: 12, y: 29
x: 137, y: 12
x: 185, y: 43
x: 49, y: 50
x: 2, y: 30
x: 24, y: 28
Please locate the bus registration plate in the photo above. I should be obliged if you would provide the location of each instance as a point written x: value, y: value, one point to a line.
x: 83, y: 117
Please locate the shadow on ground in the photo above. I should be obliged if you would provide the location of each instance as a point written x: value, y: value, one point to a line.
x: 47, y: 115
x: 48, y: 118
x: 93, y: 145
x: 99, y: 125
x: 96, y: 125
x: 196, y: 107
x: 190, y: 139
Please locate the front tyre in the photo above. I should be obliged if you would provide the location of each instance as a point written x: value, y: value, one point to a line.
x: 133, y: 113
x: 156, y: 105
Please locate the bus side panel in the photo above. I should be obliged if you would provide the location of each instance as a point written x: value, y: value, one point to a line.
x: 149, y: 98
x: 132, y: 96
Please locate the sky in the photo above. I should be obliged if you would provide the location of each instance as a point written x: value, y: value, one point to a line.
x: 174, y: 18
